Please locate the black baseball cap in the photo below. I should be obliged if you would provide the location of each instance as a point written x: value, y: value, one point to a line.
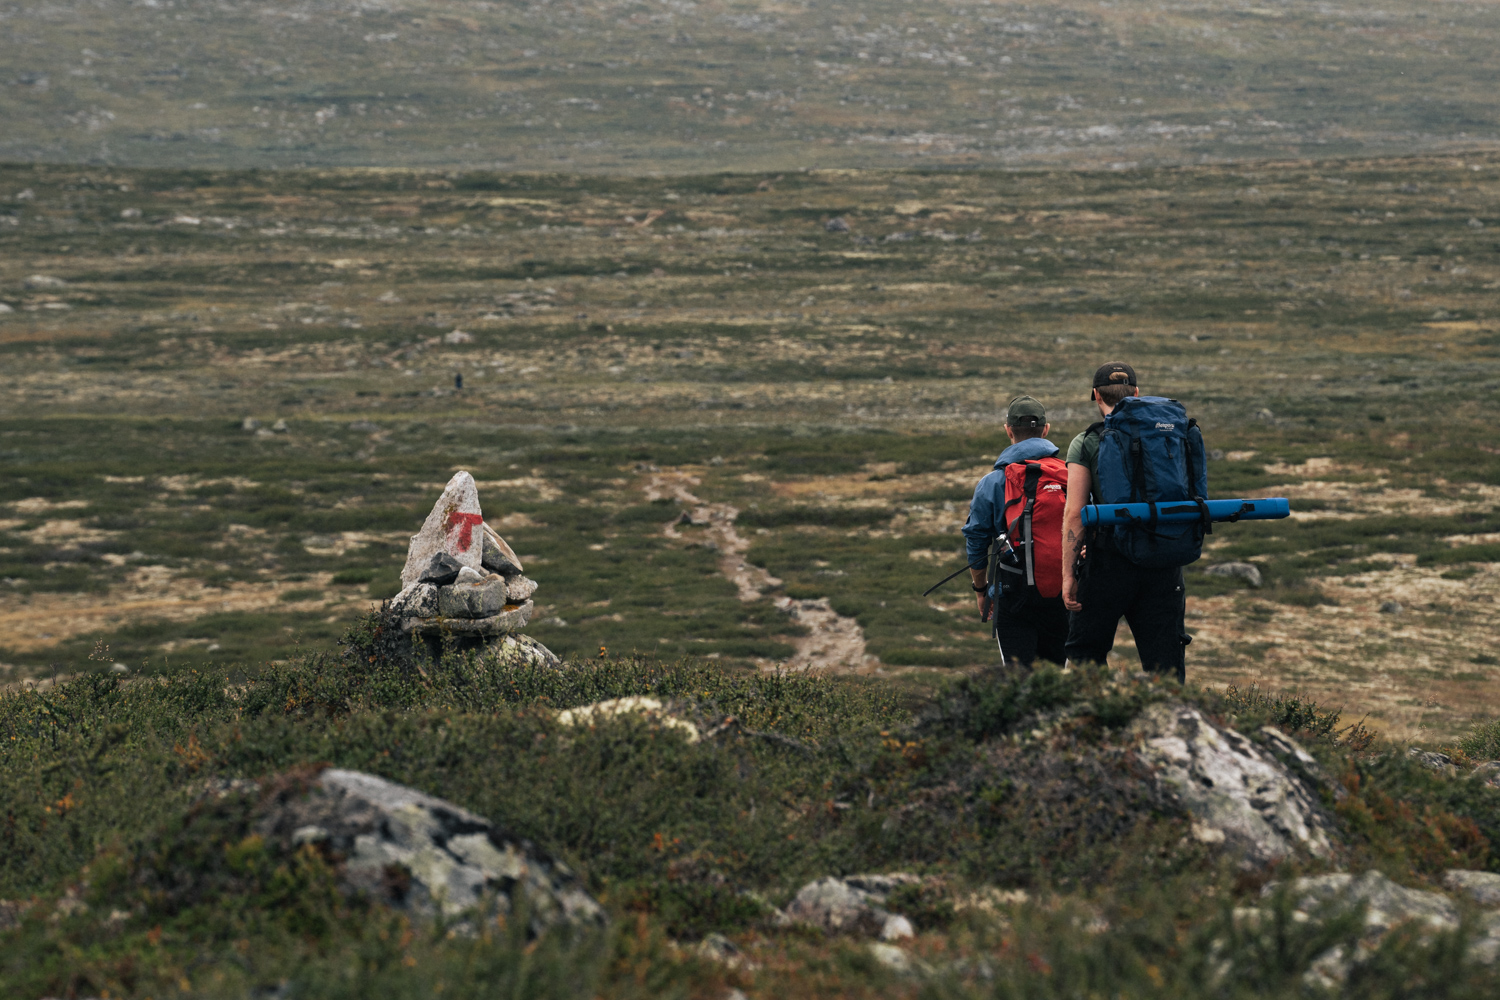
x: 1114, y: 373
x: 1025, y: 411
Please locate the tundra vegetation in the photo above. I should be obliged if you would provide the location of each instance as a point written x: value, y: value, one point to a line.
x: 231, y: 398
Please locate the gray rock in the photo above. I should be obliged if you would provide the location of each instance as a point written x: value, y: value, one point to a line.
x: 1391, y: 608
x: 279, y: 427
x: 519, y: 589
x: 5, y: 307
x: 422, y: 854
x: 441, y: 570
x: 1431, y: 759
x: 1249, y: 572
x: 1216, y: 454
x: 523, y: 649
x: 1387, y: 904
x: 39, y: 281
x: 495, y: 625
x: 364, y: 426
x: 836, y: 225
x: 481, y: 599
x: 455, y: 526
x: 249, y: 424
x: 1488, y: 772
x: 468, y: 574
x: 498, y: 557
x: 420, y: 600
x: 852, y: 905
x: 1238, y: 795
x: 1482, y: 887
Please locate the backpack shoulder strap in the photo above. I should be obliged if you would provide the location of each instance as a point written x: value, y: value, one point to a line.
x: 1095, y: 429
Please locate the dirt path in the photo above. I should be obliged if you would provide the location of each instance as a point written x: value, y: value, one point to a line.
x: 833, y: 642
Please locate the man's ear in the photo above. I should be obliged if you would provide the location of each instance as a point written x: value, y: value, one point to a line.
x: 1135, y: 390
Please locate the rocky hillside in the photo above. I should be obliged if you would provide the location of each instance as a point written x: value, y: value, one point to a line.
x: 373, y: 822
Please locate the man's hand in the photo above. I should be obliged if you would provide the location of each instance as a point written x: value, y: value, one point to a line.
x: 983, y: 600
x: 1070, y: 594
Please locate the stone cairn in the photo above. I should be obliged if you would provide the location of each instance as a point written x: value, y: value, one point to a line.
x: 462, y: 580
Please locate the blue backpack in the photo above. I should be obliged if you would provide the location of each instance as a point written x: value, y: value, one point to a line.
x: 1150, y: 452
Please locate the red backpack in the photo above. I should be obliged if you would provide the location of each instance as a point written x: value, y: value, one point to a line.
x: 1035, y: 493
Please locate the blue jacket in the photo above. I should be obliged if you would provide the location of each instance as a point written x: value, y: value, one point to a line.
x: 987, y: 510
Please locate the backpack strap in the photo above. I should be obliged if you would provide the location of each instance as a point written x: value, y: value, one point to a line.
x: 1208, y: 522
x: 1028, y: 488
x: 1095, y: 428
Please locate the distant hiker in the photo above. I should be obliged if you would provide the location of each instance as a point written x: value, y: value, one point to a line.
x: 1014, y: 540
x: 1144, y: 450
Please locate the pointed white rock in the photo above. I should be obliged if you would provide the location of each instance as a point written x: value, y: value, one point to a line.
x: 455, y: 526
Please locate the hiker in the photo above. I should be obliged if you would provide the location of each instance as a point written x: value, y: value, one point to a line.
x: 1148, y: 451
x: 1018, y: 509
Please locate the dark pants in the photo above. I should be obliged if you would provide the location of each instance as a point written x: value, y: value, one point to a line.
x: 1031, y: 627
x: 1152, y: 602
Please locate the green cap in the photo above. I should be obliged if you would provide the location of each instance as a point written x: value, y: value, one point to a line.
x: 1025, y: 411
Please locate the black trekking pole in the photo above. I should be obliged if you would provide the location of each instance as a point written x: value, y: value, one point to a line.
x: 945, y: 579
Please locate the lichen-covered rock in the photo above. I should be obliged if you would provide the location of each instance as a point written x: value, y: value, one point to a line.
x: 420, y: 600
x: 479, y: 599
x: 1387, y: 903
x: 852, y: 905
x: 510, y: 619
x: 1482, y: 887
x: 1249, y: 572
x: 522, y: 649
x: 653, y: 710
x: 454, y: 526
x: 1386, y: 906
x: 519, y: 588
x: 1237, y: 795
x: 423, y: 854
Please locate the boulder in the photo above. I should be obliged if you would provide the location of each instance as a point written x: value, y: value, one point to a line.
x: 1238, y: 795
x: 1482, y: 887
x: 480, y: 599
x: 836, y: 225
x: 523, y: 649
x: 422, y: 854
x: 651, y: 709
x: 1387, y: 904
x: 468, y: 574
x: 854, y: 904
x: 1432, y: 760
x: 1249, y: 572
x: 454, y: 526
x: 420, y: 600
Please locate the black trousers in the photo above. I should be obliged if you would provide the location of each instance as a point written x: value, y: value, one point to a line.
x: 1152, y: 601
x: 1031, y: 627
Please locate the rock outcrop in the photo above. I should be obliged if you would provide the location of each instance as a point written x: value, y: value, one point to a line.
x: 422, y: 854
x: 854, y: 904
x: 1386, y: 906
x: 1239, y: 795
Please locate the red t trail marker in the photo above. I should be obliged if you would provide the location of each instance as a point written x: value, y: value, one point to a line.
x: 464, y: 524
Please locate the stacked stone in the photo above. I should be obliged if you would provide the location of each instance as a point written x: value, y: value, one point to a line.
x: 461, y: 578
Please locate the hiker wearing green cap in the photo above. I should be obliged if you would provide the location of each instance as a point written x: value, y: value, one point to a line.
x: 1100, y: 584
x: 1014, y: 532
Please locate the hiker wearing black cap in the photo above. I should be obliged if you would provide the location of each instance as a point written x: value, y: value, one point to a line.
x: 1105, y: 577
x: 1013, y: 537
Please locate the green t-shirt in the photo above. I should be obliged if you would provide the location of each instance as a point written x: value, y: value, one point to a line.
x: 1084, y: 451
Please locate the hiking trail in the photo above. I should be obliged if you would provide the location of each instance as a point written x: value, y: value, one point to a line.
x: 833, y: 642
